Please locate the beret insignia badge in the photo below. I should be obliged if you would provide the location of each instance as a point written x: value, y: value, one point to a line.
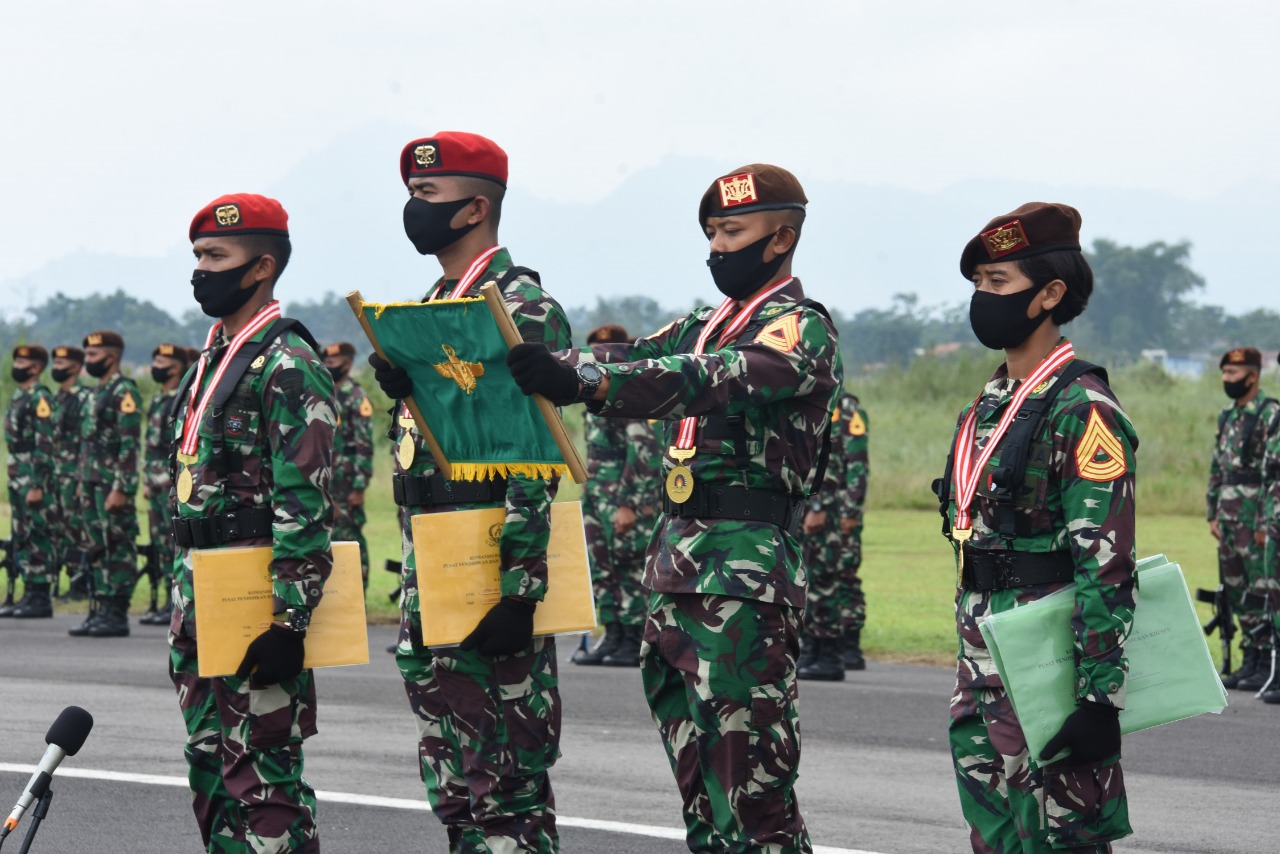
x: 1236, y: 357
x: 227, y: 215
x: 94, y: 339
x: 165, y: 350
x: 425, y: 155
x: 1005, y: 239
x: 738, y: 190
x: 23, y: 353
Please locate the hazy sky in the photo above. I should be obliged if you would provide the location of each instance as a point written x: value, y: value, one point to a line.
x: 123, y: 117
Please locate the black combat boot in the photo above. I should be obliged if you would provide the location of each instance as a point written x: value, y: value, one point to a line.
x: 851, y: 650
x: 627, y: 653
x: 611, y: 641
x: 1273, y: 695
x: 1260, y: 675
x: 827, y: 666
x: 1248, y: 666
x: 113, y: 621
x: 95, y: 610
x: 35, y: 603
x: 808, y: 653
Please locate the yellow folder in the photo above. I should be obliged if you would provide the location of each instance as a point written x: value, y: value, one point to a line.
x: 233, y: 606
x: 458, y: 573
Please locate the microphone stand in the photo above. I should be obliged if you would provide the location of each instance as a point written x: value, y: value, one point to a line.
x: 37, y: 815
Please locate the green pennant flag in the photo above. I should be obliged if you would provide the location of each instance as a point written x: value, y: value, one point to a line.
x: 456, y: 358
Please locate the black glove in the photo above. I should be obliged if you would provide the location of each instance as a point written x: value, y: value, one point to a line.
x: 277, y: 653
x: 1091, y: 733
x: 506, y: 629
x: 395, y: 382
x: 536, y: 371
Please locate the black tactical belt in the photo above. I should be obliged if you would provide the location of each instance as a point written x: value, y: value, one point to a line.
x: 1002, y: 570
x: 21, y: 447
x: 1242, y: 478
x: 203, y: 532
x: 741, y: 504
x: 412, y: 490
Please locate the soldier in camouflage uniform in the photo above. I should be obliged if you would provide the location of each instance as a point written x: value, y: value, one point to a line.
x: 1237, y: 517
x: 352, y: 452
x: 71, y: 404
x: 488, y: 711
x: 108, y: 476
x: 746, y: 391
x: 274, y: 437
x: 619, y: 505
x: 1266, y: 587
x: 28, y: 434
x: 168, y: 364
x: 1070, y: 517
x: 837, y: 608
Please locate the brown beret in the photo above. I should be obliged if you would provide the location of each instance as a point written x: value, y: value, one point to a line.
x: 173, y: 351
x: 1247, y: 356
x: 34, y: 352
x: 103, y: 338
x: 1033, y: 229
x: 342, y: 348
x: 75, y: 354
x: 751, y: 188
x: 610, y: 333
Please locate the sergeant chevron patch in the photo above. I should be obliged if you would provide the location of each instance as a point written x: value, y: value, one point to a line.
x: 782, y: 335
x: 1099, y: 453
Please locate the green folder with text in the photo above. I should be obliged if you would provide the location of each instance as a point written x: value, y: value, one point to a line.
x: 1171, y: 672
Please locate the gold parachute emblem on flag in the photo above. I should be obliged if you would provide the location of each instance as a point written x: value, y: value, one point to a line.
x: 1099, y: 453
x: 462, y: 373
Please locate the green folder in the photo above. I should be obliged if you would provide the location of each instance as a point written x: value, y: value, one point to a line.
x: 1171, y: 673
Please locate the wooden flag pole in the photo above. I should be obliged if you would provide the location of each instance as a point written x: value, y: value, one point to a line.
x: 507, y: 326
x: 437, y: 453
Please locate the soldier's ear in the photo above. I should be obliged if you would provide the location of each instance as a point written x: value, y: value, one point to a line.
x: 1052, y: 294
x: 263, y: 271
x: 478, y: 210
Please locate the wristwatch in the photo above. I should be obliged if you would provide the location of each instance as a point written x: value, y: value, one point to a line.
x: 295, y: 618
x: 590, y: 375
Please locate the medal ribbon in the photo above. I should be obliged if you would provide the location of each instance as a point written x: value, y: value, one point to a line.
x: 477, y: 266
x: 191, y: 429
x: 968, y: 470
x: 689, y: 426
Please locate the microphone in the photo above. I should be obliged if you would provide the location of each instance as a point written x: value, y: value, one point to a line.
x: 65, y: 738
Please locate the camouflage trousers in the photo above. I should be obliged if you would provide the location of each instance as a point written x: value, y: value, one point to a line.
x: 163, y: 540
x: 31, y: 533
x: 617, y: 562
x: 835, y: 605
x: 719, y: 674
x: 244, y: 755
x: 68, y: 529
x: 113, y: 539
x: 348, y: 526
x: 1245, y: 569
x: 1010, y: 803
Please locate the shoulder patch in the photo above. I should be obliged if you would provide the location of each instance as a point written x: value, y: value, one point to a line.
x: 127, y: 404
x: 1099, y: 453
x: 42, y: 408
x: 290, y: 381
x: 857, y: 426
x: 782, y: 335
x: 835, y: 415
x: 366, y: 408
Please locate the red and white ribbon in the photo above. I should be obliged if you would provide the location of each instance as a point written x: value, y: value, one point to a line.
x: 968, y: 468
x: 477, y: 266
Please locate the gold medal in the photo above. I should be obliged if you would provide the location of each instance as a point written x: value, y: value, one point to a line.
x: 680, y: 478
x: 961, y: 536
x: 405, y: 451
x: 186, y: 483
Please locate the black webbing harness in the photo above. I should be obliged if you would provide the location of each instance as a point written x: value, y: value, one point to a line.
x: 1248, y: 475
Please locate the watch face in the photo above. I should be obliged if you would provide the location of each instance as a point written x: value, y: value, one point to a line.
x: 590, y: 372
x: 299, y: 620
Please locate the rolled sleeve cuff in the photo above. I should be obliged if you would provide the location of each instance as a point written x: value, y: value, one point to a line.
x: 519, y: 583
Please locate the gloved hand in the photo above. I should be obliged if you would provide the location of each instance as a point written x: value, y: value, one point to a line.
x: 1091, y: 733
x: 536, y: 371
x: 394, y: 382
x: 506, y: 629
x: 277, y: 653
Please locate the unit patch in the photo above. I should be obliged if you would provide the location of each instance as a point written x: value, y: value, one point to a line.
x: 127, y: 404
x: 782, y: 335
x: 366, y: 408
x: 1099, y: 453
x: 42, y: 409
x: 857, y: 426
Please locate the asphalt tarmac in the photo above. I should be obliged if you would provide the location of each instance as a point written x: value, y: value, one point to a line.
x: 875, y: 777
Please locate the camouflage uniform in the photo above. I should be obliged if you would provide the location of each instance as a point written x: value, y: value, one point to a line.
x: 29, y: 436
x: 489, y: 727
x: 719, y: 657
x: 352, y: 465
x: 159, y: 483
x: 72, y: 407
x: 1236, y: 500
x: 111, y: 433
x: 244, y: 743
x: 1077, y: 507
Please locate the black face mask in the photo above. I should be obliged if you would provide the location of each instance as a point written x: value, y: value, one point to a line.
x: 219, y: 292
x: 338, y: 372
x: 1238, y: 389
x: 61, y: 375
x: 21, y: 375
x: 427, y: 224
x: 161, y: 375
x: 98, y: 369
x: 741, y: 273
x: 1000, y: 320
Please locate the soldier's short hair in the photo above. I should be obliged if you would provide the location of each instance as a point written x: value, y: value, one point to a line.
x: 1070, y: 266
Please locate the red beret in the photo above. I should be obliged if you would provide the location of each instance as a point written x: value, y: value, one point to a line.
x: 240, y: 214
x: 104, y: 338
x: 1033, y: 229
x: 1247, y: 356
x: 610, y: 333
x: 342, y: 348
x: 34, y: 352
x: 751, y: 188
x: 75, y: 354
x: 454, y: 153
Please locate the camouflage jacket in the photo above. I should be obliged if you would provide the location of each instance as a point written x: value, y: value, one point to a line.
x: 29, y: 435
x: 71, y: 408
x: 1244, y: 434
x: 353, y: 442
x: 111, y: 432
x: 280, y: 422
x: 155, y: 464
x: 782, y: 375
x: 623, y: 462
x: 844, y: 489
x: 1078, y: 498
x: 527, y: 530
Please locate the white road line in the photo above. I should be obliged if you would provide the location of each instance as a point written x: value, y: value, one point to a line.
x: 390, y: 803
